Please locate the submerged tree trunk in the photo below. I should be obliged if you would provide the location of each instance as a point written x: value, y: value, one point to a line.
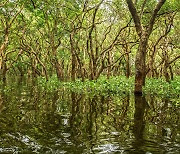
x: 139, y: 121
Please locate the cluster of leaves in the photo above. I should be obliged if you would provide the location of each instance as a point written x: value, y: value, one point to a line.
x: 114, y: 85
x: 103, y: 86
x: 119, y: 85
x: 162, y: 88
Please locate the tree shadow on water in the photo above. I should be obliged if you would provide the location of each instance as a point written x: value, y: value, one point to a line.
x: 139, y: 124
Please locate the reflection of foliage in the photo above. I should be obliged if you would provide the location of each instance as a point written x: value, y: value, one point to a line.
x: 67, y: 121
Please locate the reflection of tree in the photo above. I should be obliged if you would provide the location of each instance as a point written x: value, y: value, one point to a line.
x: 1, y: 103
x: 139, y: 123
x: 92, y: 121
x: 83, y: 120
x: 166, y: 119
x: 119, y: 113
x: 74, y: 122
x: 123, y: 114
x: 75, y: 118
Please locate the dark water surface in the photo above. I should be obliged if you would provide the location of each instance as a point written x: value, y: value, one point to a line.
x: 66, y: 122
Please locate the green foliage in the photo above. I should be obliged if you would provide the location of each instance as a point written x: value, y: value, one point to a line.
x: 170, y: 6
x: 42, y: 31
x: 103, y: 86
x: 115, y: 85
x: 51, y: 85
x: 119, y: 85
x: 162, y: 88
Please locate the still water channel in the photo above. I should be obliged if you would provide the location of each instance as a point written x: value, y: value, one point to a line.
x: 66, y: 122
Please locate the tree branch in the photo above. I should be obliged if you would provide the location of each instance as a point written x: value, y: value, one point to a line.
x: 173, y: 60
x: 154, y: 14
x: 1, y: 5
x: 135, y: 17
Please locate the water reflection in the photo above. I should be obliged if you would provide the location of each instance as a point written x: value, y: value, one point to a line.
x: 139, y: 121
x: 66, y: 122
x: 1, y: 103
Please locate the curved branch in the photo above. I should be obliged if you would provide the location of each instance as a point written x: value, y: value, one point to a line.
x: 173, y: 60
x: 135, y: 17
x: 1, y: 5
x: 154, y: 14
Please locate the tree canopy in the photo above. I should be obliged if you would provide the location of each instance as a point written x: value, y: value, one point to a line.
x: 88, y: 38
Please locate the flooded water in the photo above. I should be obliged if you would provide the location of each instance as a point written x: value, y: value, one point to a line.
x: 66, y: 122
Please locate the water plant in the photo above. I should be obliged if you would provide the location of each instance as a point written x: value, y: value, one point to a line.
x: 118, y: 85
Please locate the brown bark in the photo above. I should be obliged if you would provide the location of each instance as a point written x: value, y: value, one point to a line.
x: 140, y: 61
x: 135, y: 17
x: 139, y: 121
x: 58, y: 69
x: 171, y: 72
x: 140, y: 65
x: 73, y: 59
x: 166, y: 74
x: 127, y: 66
x: 57, y: 65
x: 127, y: 60
x: 109, y: 69
x: 7, y: 26
x: 76, y: 62
x: 73, y: 67
x: 3, y: 66
x: 4, y: 70
x: 90, y: 46
x: 154, y: 50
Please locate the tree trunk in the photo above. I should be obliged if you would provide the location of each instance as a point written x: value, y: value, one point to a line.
x: 140, y: 65
x: 127, y: 64
x: 57, y: 65
x: 73, y: 67
x: 91, y: 69
x: 58, y: 68
x: 166, y: 74
x: 109, y: 69
x: 144, y: 36
x: 139, y: 121
x: 4, y: 71
x: 171, y: 72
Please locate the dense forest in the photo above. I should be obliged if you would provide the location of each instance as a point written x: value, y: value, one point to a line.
x: 86, y: 39
x: 90, y: 76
